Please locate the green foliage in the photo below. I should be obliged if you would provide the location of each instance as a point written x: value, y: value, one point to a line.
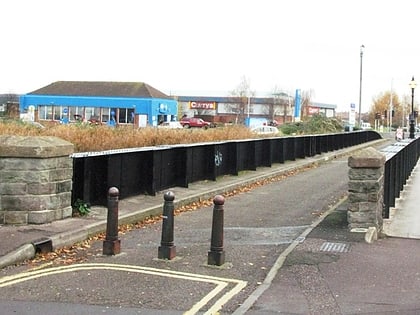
x: 322, y: 124
x: 313, y: 125
x: 290, y: 128
x: 81, y: 207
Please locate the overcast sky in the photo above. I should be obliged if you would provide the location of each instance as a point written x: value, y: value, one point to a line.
x: 193, y: 47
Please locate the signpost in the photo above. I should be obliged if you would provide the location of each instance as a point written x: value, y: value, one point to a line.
x: 297, y: 105
x: 352, y: 116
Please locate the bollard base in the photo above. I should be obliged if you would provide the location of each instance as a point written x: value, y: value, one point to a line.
x: 216, y: 258
x: 111, y: 247
x: 166, y: 252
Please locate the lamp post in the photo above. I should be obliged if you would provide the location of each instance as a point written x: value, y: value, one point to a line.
x: 413, y: 85
x: 360, y: 86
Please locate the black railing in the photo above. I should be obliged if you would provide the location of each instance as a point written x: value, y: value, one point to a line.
x: 401, y: 158
x: 152, y: 169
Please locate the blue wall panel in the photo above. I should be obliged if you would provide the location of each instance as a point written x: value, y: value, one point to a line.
x: 152, y: 107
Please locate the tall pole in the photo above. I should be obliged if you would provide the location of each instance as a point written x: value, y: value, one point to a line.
x: 403, y: 117
x: 360, y: 86
x: 412, y: 86
x: 390, y: 108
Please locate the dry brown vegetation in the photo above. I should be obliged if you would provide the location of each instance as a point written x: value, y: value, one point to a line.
x: 97, y: 138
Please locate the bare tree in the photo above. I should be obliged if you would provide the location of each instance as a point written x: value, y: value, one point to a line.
x: 10, y: 104
x: 243, y: 94
x: 306, y: 99
x: 281, y: 104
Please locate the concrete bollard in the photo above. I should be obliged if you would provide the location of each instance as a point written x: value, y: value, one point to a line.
x: 167, y: 249
x: 112, y: 245
x: 216, y: 254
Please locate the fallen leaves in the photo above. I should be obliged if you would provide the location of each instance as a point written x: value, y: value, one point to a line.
x: 77, y: 253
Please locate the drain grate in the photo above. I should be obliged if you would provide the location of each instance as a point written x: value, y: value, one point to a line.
x: 335, y: 247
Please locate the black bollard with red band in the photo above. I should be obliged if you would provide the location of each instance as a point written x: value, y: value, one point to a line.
x: 112, y: 245
x: 216, y: 254
x: 167, y: 249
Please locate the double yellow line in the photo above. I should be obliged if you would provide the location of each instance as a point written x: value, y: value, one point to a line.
x: 220, y: 283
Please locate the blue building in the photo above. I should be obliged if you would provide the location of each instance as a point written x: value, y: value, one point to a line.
x: 113, y: 103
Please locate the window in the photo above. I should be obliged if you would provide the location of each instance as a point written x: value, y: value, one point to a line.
x: 126, y: 116
x: 96, y: 113
x: 75, y: 112
x: 89, y: 112
x: 130, y: 115
x: 122, y: 119
x: 59, y: 112
x: 108, y: 113
x: 92, y: 114
x: 105, y: 114
x: 42, y: 112
x: 45, y: 112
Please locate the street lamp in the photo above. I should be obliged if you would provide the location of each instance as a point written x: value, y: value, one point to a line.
x: 360, y: 86
x: 413, y: 85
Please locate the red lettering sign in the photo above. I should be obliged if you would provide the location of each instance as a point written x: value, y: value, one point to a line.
x: 313, y: 110
x: 202, y: 105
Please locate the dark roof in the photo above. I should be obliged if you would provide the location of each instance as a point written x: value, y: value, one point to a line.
x: 91, y: 88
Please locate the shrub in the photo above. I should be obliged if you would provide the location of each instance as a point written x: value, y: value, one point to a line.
x: 90, y: 137
x: 86, y: 137
x: 81, y: 208
x: 290, y: 128
x: 313, y: 125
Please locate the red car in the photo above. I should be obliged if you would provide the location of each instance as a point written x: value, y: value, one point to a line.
x: 189, y: 122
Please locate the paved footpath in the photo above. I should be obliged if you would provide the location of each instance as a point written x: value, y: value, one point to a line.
x: 287, y: 250
x: 334, y: 272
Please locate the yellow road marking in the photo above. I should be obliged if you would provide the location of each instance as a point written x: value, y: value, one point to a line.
x: 220, y: 283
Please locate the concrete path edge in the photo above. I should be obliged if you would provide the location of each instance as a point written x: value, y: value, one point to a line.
x: 253, y: 297
x: 28, y: 251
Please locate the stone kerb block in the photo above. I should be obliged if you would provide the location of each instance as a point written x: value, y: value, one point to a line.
x: 35, y: 179
x: 365, y: 201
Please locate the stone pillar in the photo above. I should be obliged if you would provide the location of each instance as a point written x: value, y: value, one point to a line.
x: 366, y: 188
x: 35, y: 179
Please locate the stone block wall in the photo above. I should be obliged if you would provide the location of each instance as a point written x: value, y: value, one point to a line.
x: 366, y: 188
x: 35, y: 179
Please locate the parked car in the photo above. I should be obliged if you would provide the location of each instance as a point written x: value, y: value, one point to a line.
x: 265, y: 130
x: 366, y: 126
x: 189, y: 122
x: 170, y: 125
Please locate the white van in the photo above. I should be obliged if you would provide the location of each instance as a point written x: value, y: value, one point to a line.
x: 365, y: 126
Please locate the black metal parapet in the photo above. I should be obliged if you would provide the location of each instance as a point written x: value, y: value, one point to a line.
x: 401, y: 158
x: 216, y: 255
x: 112, y: 245
x: 167, y: 249
x: 164, y: 167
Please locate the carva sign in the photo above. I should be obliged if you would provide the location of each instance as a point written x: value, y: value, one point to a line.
x: 202, y: 105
